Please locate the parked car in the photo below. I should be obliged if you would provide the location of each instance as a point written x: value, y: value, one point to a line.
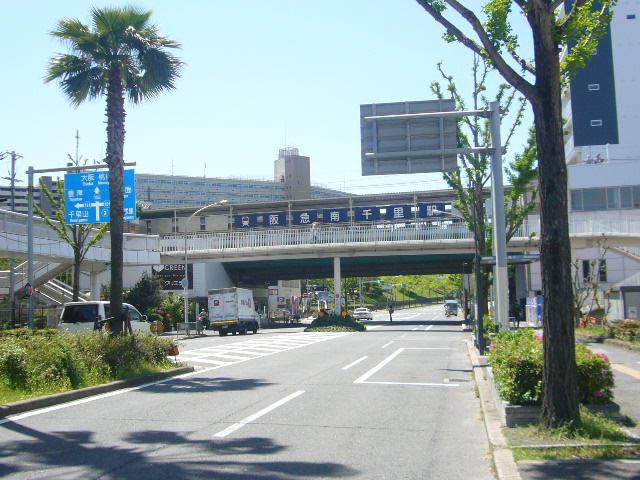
x: 362, y: 314
x: 81, y: 316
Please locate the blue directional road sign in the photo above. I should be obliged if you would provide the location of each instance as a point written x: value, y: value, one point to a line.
x: 87, y: 198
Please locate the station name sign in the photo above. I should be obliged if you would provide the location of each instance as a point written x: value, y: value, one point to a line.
x: 328, y: 216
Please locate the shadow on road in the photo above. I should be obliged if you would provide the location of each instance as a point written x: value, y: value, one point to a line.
x: 151, y: 454
x: 580, y: 470
x: 206, y: 384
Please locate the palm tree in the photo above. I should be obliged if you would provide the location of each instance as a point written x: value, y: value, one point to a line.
x: 120, y: 54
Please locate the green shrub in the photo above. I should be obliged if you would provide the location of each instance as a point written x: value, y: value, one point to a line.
x: 488, y: 325
x: 517, y: 359
x: 13, y: 366
x: 334, y: 320
x: 595, y: 377
x: 49, y: 361
x: 629, y: 331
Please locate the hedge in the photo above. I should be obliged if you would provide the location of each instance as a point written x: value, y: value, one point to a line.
x: 51, y: 361
x: 517, y: 360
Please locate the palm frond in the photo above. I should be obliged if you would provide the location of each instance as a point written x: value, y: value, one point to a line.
x: 115, y: 21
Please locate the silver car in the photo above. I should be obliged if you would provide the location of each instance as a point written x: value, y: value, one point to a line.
x: 362, y: 314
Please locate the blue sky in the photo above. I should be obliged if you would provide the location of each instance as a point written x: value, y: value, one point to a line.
x: 259, y: 75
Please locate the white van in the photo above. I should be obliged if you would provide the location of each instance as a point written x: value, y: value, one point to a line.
x: 81, y: 316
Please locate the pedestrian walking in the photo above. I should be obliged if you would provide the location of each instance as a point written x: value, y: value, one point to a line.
x: 390, y: 313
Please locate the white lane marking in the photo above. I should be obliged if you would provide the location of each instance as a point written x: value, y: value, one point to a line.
x: 53, y: 408
x: 387, y: 344
x: 427, y: 348
x: 13, y: 418
x: 414, y: 329
x: 374, y: 327
x: 209, y: 362
x: 371, y: 372
x: 428, y: 328
x: 355, y: 363
x: 416, y: 383
x: 255, y: 416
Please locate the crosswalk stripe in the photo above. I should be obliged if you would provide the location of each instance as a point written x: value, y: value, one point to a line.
x: 255, y: 348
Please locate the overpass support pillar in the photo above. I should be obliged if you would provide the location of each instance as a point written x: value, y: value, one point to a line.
x: 337, y: 282
x: 95, y: 286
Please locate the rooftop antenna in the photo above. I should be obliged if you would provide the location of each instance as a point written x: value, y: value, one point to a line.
x: 204, y: 174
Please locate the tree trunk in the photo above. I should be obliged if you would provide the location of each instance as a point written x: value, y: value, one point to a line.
x: 115, y: 160
x: 76, y: 274
x: 560, y: 401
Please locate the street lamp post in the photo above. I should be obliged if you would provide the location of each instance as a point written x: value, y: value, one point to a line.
x: 185, y: 280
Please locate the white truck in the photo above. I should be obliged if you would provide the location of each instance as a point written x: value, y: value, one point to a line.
x: 231, y: 310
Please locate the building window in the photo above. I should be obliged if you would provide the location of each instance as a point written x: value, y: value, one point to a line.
x: 576, y: 200
x: 602, y: 270
x: 626, y: 197
x: 596, y: 123
x: 586, y: 270
x: 203, y: 224
x: 594, y: 199
x: 613, y: 198
x: 593, y: 86
x: 636, y: 196
x: 148, y: 222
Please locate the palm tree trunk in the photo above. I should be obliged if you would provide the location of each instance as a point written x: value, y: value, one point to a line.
x: 115, y: 160
x: 560, y: 402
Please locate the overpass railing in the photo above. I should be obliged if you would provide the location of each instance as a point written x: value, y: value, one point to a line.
x: 344, y: 234
x: 361, y: 234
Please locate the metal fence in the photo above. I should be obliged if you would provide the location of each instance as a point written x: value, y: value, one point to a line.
x: 44, y: 316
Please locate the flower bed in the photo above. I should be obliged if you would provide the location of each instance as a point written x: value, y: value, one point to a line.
x: 517, y: 361
x: 335, y: 323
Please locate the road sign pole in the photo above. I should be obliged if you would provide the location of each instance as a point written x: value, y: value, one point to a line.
x: 30, y: 276
x: 337, y: 283
x: 500, y: 282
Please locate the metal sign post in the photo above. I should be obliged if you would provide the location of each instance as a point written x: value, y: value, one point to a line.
x: 30, y: 173
x: 501, y: 280
x: 412, y: 137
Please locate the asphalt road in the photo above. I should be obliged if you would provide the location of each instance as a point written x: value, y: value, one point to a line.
x: 395, y: 402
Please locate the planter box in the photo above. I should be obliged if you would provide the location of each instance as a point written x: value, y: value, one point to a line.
x: 521, y: 415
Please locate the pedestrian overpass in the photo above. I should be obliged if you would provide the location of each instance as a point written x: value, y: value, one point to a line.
x: 261, y: 255
x: 365, y: 250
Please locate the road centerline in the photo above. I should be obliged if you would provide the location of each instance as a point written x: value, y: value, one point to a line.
x: 387, y: 344
x: 251, y: 418
x: 378, y: 367
x: 355, y: 363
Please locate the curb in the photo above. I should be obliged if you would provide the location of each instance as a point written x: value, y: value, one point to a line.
x: 505, y: 465
x: 57, y: 398
x: 608, y: 341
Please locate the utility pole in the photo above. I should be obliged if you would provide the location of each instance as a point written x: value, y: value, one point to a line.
x: 12, y: 282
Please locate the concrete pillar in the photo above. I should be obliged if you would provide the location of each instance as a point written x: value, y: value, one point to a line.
x: 337, y: 281
x: 95, y: 286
